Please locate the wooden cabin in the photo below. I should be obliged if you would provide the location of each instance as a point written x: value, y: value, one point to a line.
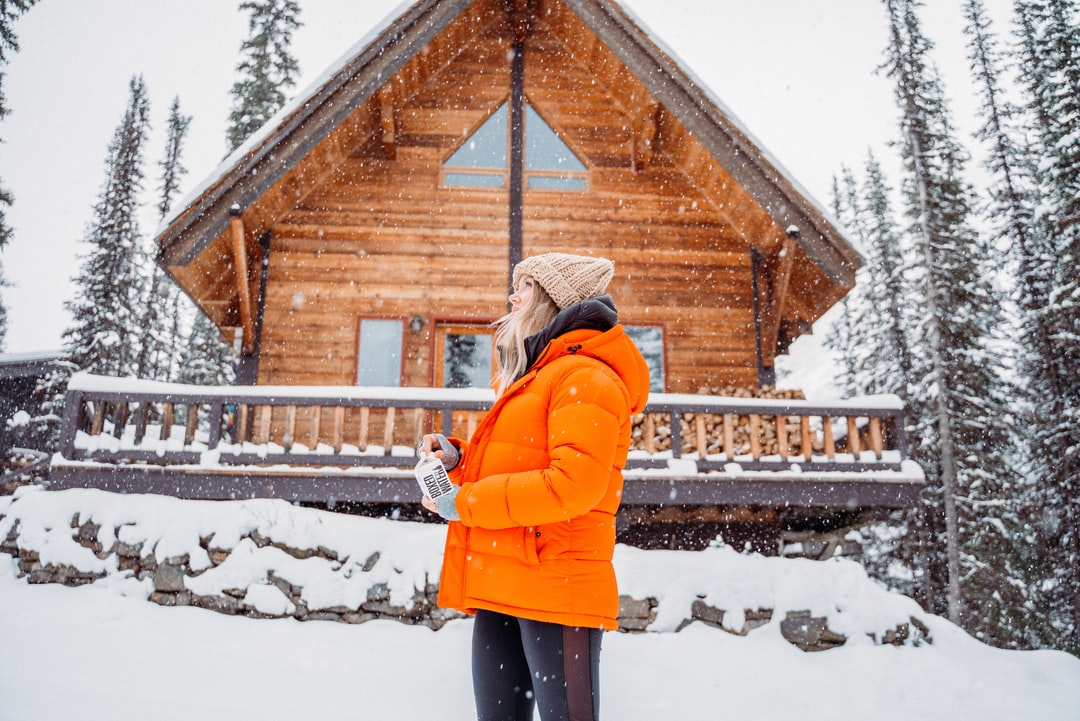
x: 367, y: 235
x: 358, y: 247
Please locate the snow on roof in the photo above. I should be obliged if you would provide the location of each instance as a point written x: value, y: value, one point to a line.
x: 303, y: 99
x: 291, y: 106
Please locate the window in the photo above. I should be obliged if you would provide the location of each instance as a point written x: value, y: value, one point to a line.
x: 482, y: 161
x: 549, y: 162
x: 465, y: 359
x: 379, y: 352
x: 650, y: 341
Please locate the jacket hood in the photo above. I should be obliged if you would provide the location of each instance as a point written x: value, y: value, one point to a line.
x: 591, y: 328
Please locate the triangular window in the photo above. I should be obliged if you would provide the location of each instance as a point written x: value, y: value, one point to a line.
x: 482, y: 161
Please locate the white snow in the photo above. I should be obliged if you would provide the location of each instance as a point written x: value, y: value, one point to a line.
x: 102, y: 651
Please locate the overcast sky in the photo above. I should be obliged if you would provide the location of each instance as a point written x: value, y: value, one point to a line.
x: 799, y: 74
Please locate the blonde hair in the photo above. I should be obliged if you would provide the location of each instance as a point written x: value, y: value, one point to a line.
x: 511, y: 331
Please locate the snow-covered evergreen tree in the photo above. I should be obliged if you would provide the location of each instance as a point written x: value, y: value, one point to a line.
x: 266, y: 67
x: 10, y: 10
x: 160, y: 351
x: 876, y: 347
x: 206, y: 359
x: 958, y: 405
x: 1010, y: 581
x: 877, y: 340
x: 840, y: 337
x: 105, y: 334
x: 1049, y: 44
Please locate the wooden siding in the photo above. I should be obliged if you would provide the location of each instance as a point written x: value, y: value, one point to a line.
x: 361, y: 225
x: 379, y: 236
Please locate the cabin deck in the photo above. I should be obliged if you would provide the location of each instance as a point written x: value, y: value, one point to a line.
x: 338, y: 444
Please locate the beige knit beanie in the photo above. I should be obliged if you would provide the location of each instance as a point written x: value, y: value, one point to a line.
x: 568, y: 279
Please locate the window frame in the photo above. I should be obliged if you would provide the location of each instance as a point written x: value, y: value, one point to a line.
x: 654, y: 385
x: 403, y: 325
x: 445, y: 170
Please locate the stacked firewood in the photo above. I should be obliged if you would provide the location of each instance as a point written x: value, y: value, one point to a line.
x: 657, y: 427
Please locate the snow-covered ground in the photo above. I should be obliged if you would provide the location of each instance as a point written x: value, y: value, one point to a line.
x: 102, y: 651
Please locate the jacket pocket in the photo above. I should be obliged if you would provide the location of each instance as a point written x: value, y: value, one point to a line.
x: 518, y: 543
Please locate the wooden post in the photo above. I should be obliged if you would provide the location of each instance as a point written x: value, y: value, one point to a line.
x: 243, y: 290
x: 140, y: 421
x: 313, y: 431
x: 289, y: 437
x: 830, y: 443
x: 418, y: 423
x: 854, y: 442
x: 99, y: 418
x: 166, y: 421
x: 192, y: 423
x: 338, y: 436
x: 264, y: 424
x: 729, y: 436
x: 388, y: 430
x: 755, y: 436
x: 702, y: 439
x: 365, y: 419
x: 472, y: 420
x: 781, y: 436
x: 243, y: 412
x: 877, y: 444
x: 805, y: 440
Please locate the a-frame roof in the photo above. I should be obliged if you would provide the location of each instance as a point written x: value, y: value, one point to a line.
x: 308, y: 124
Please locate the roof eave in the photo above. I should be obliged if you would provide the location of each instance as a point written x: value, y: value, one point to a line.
x: 303, y: 124
x: 720, y: 133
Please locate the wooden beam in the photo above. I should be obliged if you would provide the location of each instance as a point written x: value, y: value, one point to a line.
x: 386, y: 113
x: 646, y: 136
x: 780, y: 269
x: 243, y: 289
x: 520, y: 11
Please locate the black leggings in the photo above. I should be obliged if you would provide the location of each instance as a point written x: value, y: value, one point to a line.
x: 517, y: 662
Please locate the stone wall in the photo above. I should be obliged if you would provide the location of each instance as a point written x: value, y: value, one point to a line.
x: 168, y: 582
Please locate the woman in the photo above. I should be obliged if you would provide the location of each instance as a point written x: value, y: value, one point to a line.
x: 532, y: 515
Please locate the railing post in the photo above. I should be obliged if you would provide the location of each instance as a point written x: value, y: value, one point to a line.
x: 217, y: 413
x: 900, y: 429
x: 675, y: 423
x: 70, y: 424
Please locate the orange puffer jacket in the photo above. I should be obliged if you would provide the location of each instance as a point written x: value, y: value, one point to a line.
x: 541, y: 480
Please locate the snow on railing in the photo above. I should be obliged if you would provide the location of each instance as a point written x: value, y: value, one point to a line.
x: 361, y: 430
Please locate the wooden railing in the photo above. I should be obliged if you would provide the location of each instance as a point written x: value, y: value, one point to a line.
x: 115, y: 424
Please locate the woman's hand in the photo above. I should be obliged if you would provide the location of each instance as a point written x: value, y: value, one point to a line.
x: 437, y: 444
x: 445, y: 506
x: 427, y: 443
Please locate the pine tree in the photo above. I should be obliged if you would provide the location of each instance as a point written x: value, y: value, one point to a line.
x: 876, y: 341
x: 1008, y: 586
x: 266, y: 67
x: 161, y: 318
x: 10, y: 10
x: 887, y: 341
x: 957, y: 403
x: 1049, y: 37
x: 104, y: 336
x: 206, y: 359
x: 105, y: 333
x: 840, y: 337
